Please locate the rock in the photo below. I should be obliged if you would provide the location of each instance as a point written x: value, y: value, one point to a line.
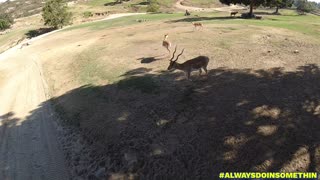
x: 100, y: 173
x: 296, y: 51
x: 131, y: 158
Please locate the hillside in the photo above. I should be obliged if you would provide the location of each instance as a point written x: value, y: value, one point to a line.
x: 22, y: 8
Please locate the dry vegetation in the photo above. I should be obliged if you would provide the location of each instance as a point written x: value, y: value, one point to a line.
x: 258, y: 109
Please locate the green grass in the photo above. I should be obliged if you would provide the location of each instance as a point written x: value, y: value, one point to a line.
x: 203, y: 3
x: 88, y: 69
x: 306, y: 24
x: 99, y: 2
x: 10, y: 39
x: 123, y: 21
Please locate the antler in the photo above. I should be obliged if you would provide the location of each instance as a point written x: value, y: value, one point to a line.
x: 173, y: 53
x: 179, y: 55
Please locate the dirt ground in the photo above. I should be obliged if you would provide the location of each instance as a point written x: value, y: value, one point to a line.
x: 257, y: 110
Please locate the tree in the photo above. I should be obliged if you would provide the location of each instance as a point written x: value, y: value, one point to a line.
x: 303, y: 6
x: 251, y: 3
x: 280, y: 4
x: 5, y: 21
x: 55, y: 13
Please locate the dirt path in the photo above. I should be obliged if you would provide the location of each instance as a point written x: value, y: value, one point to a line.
x: 28, y: 138
x: 223, y: 9
x: 28, y: 148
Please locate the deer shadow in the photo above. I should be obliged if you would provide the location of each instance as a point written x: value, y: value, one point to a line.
x: 147, y: 60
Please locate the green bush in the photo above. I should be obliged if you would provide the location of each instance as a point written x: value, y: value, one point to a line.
x: 153, y: 6
x: 55, y: 14
x: 5, y: 21
x: 4, y: 24
x: 87, y: 14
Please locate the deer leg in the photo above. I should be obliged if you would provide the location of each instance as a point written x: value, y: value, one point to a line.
x: 168, y: 50
x: 188, y: 75
x: 205, y: 70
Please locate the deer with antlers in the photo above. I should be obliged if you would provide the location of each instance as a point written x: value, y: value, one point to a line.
x: 165, y: 43
x: 197, y: 63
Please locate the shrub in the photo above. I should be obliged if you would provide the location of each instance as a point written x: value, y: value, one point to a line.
x: 4, y: 24
x: 153, y: 6
x: 87, y: 14
x: 5, y: 21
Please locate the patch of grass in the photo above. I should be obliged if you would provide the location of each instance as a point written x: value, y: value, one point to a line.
x: 145, y: 84
x: 10, y: 39
x: 128, y: 20
x: 202, y: 3
x: 99, y: 2
x: 224, y: 45
x: 89, y: 70
x: 302, y: 24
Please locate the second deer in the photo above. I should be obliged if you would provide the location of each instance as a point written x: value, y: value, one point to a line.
x: 197, y: 25
x: 165, y: 43
x: 233, y: 13
x: 197, y: 63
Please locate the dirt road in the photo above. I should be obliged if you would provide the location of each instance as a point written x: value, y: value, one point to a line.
x: 28, y: 137
x: 179, y: 5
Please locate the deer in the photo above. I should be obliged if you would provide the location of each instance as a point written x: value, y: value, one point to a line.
x: 197, y: 25
x: 165, y: 43
x: 233, y: 13
x: 197, y: 63
x: 187, y: 13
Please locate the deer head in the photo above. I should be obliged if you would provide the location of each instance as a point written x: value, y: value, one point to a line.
x: 166, y: 36
x: 173, y: 64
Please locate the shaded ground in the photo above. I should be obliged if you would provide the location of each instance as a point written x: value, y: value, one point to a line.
x: 233, y: 120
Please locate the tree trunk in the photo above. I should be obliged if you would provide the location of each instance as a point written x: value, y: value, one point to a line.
x: 277, y: 9
x: 251, y: 9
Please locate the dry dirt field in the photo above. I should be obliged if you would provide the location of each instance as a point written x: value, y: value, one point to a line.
x: 257, y: 109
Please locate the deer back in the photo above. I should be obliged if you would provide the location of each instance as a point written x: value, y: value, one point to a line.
x: 196, y: 63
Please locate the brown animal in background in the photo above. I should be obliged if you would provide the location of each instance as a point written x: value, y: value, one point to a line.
x: 233, y: 13
x: 197, y: 25
x: 187, y: 13
x: 165, y: 43
x: 197, y: 63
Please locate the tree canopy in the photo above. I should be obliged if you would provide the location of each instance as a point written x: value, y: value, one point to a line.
x: 55, y: 13
x: 255, y: 3
x: 280, y: 4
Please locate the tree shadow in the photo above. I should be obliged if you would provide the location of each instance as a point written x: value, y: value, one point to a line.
x: 137, y: 71
x: 194, y: 19
x: 161, y: 126
x: 38, y: 32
